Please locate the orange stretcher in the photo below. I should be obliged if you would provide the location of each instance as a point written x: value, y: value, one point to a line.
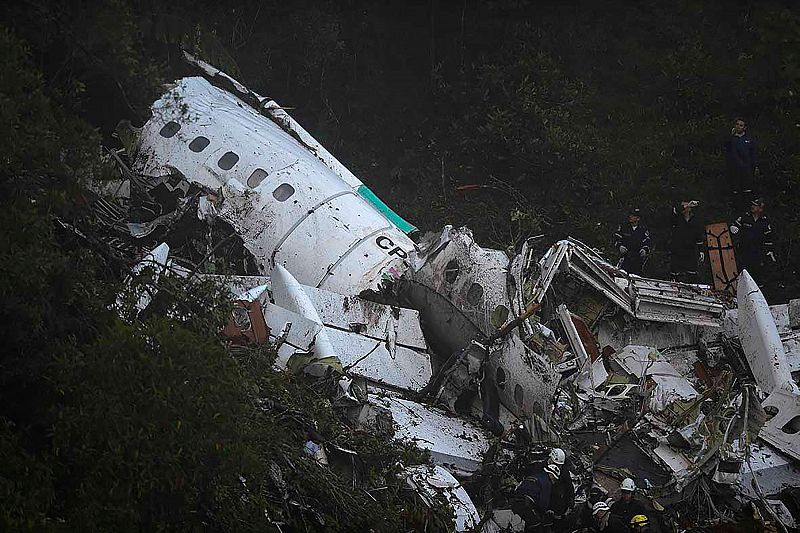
x: 721, y: 257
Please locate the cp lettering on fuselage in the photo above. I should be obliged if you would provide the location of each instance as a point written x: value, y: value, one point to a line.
x: 385, y: 243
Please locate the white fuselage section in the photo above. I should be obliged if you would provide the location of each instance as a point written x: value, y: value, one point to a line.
x: 282, y: 196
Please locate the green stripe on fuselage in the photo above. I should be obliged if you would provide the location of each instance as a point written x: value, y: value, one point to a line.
x: 385, y: 210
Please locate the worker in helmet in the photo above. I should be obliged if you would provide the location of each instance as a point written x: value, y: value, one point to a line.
x: 532, y: 498
x: 605, y: 522
x: 583, y: 518
x: 562, y: 494
x: 628, y: 505
x: 640, y: 524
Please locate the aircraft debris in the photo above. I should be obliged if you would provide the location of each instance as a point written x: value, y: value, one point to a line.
x: 484, y: 359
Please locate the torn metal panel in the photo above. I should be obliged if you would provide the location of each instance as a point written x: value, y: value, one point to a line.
x: 458, y: 382
x: 646, y: 299
x: 280, y: 197
x: 783, y: 429
x: 594, y: 376
x: 668, y: 386
x: 289, y: 294
x: 771, y: 468
x: 530, y: 379
x: 668, y: 301
x: 372, y: 359
x: 641, y: 361
x: 471, y: 277
x: 454, y: 444
x: 761, y: 343
x: 157, y: 260
x: 359, y: 355
x: 575, y: 341
x: 371, y: 319
x: 430, y: 481
x: 470, y: 284
x: 299, y: 336
x: 521, y: 284
x: 670, y: 389
x: 625, y: 330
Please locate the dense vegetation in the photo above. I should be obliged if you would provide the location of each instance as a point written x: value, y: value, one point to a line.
x: 510, y: 116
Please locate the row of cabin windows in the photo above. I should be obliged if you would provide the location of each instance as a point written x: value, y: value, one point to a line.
x: 281, y: 193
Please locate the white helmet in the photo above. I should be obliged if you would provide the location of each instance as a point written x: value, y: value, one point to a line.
x: 600, y: 507
x: 557, y: 456
x: 553, y: 470
x: 628, y: 485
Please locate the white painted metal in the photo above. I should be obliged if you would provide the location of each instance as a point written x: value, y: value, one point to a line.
x: 289, y: 294
x: 646, y: 299
x: 574, y: 339
x: 360, y: 244
x: 641, y: 361
x: 454, y: 444
x: 670, y: 389
x: 285, y: 120
x: 372, y: 359
x: 773, y: 470
x: 157, y: 260
x: 474, y: 280
x: 761, y: 343
x: 783, y: 429
x: 300, y: 336
x: 592, y: 377
x: 431, y: 481
x: 374, y: 320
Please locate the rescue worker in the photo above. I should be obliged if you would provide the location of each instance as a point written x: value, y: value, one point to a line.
x: 532, y: 499
x: 755, y: 240
x: 605, y: 522
x: 741, y: 162
x: 583, y: 518
x: 627, y: 507
x: 562, y: 494
x: 640, y: 524
x: 686, y: 243
x: 633, y: 242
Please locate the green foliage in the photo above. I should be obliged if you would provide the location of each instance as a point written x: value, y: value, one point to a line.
x: 153, y: 424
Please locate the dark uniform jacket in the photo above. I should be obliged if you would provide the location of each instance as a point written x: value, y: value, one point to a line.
x: 627, y: 510
x: 616, y: 525
x: 635, y: 240
x: 562, y: 494
x: 686, y: 242
x: 532, y: 498
x: 740, y: 157
x: 755, y: 241
x: 537, y: 489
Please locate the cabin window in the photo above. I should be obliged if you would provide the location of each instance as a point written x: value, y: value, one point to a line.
x: 501, y: 378
x: 451, y: 271
x: 199, y: 144
x: 241, y: 317
x: 474, y: 294
x: 227, y: 160
x: 256, y: 178
x: 283, y: 192
x: 170, y: 129
x: 792, y: 427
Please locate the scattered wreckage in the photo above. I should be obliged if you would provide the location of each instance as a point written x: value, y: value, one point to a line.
x: 484, y: 360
